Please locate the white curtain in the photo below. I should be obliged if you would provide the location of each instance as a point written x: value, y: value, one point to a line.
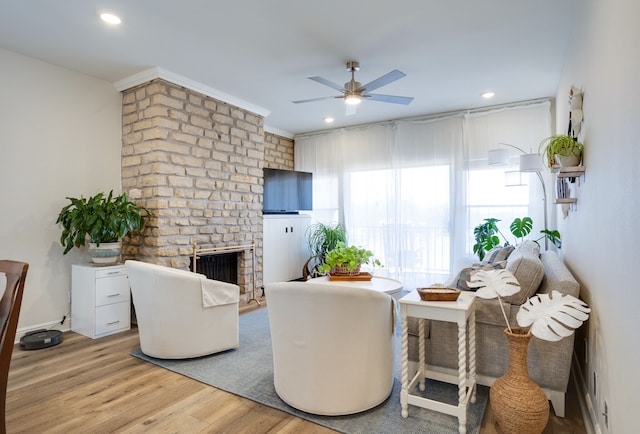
x: 412, y: 190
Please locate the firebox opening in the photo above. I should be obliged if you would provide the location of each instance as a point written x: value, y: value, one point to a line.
x: 220, y: 266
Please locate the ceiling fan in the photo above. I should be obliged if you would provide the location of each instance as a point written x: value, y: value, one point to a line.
x: 354, y: 92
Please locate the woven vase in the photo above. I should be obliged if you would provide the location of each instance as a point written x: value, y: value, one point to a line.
x: 517, y: 402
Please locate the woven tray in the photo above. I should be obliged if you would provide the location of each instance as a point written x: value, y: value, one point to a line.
x: 361, y: 276
x: 438, y: 293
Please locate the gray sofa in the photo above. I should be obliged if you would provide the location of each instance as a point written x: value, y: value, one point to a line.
x: 549, y: 363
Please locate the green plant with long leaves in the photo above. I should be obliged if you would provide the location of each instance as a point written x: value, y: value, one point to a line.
x: 487, y: 234
x: 550, y: 317
x: 100, y: 218
x: 560, y: 144
x: 322, y: 238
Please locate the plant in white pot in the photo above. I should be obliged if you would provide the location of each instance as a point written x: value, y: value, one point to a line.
x: 561, y: 149
x: 102, y: 221
x: 518, y: 403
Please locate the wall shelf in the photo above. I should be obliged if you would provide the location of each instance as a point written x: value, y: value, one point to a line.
x: 567, y: 200
x: 571, y: 172
x: 564, y: 176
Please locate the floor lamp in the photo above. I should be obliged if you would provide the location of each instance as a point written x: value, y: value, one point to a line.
x: 528, y: 163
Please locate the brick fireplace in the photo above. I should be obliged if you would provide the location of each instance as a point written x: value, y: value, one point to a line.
x: 196, y: 164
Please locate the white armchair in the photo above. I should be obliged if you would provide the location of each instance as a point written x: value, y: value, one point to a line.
x: 182, y: 314
x: 332, y: 346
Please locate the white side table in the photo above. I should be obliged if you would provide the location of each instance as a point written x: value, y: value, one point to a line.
x: 100, y: 299
x: 461, y: 312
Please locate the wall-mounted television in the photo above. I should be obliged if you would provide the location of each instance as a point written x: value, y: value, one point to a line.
x: 287, y: 191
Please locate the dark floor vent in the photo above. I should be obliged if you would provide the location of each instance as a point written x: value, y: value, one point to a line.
x: 220, y: 266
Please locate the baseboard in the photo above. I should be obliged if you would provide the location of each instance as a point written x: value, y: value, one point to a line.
x: 586, y: 407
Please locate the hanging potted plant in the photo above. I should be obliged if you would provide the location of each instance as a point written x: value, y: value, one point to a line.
x: 518, y: 403
x: 346, y: 260
x: 561, y: 149
x: 102, y: 221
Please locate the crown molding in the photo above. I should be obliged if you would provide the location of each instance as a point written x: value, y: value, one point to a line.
x: 278, y: 132
x: 157, y: 72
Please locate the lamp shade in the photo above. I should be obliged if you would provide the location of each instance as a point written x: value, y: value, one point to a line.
x: 531, y: 163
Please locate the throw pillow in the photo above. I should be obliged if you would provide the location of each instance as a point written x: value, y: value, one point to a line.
x: 524, y: 263
x: 464, y: 276
x: 498, y: 253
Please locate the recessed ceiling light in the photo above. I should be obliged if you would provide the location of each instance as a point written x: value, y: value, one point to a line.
x: 110, y: 18
x: 488, y: 95
x: 329, y: 120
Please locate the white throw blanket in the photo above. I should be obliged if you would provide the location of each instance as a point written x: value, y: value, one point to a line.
x: 216, y: 293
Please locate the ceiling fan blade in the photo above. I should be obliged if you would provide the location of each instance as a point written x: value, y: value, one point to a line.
x: 406, y: 100
x: 314, y: 99
x: 383, y: 81
x: 326, y: 82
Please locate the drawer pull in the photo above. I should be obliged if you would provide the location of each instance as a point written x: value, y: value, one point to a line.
x: 113, y: 272
x: 113, y: 295
x: 113, y: 322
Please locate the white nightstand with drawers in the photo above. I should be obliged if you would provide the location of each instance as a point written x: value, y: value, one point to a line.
x: 100, y: 300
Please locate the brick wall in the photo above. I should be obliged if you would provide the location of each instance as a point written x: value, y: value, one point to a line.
x: 196, y: 164
x: 278, y: 152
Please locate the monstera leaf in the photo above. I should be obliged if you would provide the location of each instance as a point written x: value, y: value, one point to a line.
x: 552, y: 317
x: 494, y: 283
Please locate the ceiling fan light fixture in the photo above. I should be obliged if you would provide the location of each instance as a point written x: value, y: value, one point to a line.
x: 352, y: 99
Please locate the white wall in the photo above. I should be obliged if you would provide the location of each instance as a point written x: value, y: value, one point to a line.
x: 60, y: 135
x: 601, y: 242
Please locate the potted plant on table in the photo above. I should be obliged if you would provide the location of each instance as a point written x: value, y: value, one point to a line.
x: 346, y: 260
x: 517, y: 402
x: 561, y: 149
x: 102, y: 221
x: 322, y: 238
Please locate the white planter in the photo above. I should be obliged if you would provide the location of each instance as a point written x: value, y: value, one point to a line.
x: 105, y: 253
x: 570, y: 160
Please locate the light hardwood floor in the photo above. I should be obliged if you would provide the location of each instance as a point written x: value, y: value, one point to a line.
x: 95, y: 386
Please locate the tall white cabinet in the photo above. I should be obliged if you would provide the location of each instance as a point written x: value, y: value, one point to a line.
x: 284, y: 246
x: 100, y: 300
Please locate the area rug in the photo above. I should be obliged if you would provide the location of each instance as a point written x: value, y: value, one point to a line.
x: 248, y: 372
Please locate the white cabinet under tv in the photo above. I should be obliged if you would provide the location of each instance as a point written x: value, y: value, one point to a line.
x: 284, y: 246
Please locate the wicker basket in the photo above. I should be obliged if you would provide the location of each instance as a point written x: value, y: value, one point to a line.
x: 438, y: 293
x: 343, y: 270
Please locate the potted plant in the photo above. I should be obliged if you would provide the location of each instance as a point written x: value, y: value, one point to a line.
x: 102, y: 221
x: 346, y: 260
x: 517, y: 402
x: 486, y: 234
x: 562, y: 147
x: 321, y: 238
